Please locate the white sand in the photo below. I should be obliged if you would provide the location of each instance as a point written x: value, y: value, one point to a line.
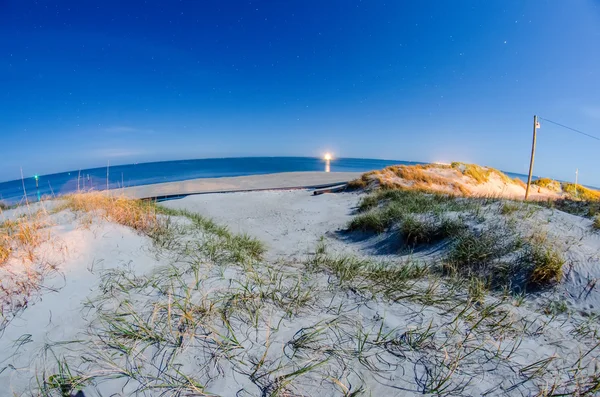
x: 291, y: 223
x: 284, y: 180
x: 57, y: 312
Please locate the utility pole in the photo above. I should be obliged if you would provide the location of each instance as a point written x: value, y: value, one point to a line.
x: 535, y: 127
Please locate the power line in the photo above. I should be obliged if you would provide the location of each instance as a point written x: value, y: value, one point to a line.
x: 569, y: 128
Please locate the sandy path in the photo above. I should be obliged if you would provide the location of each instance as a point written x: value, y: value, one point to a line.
x: 290, y: 222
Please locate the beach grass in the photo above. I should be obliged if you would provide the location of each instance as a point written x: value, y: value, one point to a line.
x: 545, y: 260
x: 581, y: 192
x: 330, y: 323
x: 547, y: 183
x: 596, y: 224
x: 480, y: 174
x: 385, y: 208
x: 480, y: 233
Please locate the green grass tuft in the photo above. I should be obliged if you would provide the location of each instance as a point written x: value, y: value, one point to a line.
x: 596, y: 224
x: 386, y: 208
x: 547, y: 263
x: 477, y: 252
x: 509, y: 208
x: 417, y: 231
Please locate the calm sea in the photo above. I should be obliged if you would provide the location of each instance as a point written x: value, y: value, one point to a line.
x: 170, y: 171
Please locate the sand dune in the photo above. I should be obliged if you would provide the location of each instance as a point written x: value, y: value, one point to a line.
x: 174, y: 304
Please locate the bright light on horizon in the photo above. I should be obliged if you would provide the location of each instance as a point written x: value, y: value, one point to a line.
x: 328, y: 156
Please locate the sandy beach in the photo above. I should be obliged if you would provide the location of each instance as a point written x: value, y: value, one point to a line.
x: 285, y: 180
x: 277, y: 296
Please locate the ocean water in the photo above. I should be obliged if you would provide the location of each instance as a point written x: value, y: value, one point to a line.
x: 170, y: 171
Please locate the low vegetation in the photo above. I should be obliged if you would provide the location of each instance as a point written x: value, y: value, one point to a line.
x: 520, y: 183
x: 155, y: 222
x: 546, y: 263
x: 596, y: 223
x: 548, y: 184
x: 480, y: 174
x: 432, y: 178
x: 217, y: 313
x: 581, y: 192
x: 22, y: 267
x: 136, y: 214
x: 427, y: 230
x: 481, y: 245
x: 385, y: 208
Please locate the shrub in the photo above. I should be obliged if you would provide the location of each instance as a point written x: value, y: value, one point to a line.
x: 417, y: 231
x: 427, y: 231
x: 581, y: 192
x: 543, y: 260
x: 596, y: 224
x: 368, y: 202
x: 384, y: 208
x: 547, y: 183
x: 474, y: 252
x: 547, y: 266
x: 478, y: 173
x: 360, y: 183
x: 374, y: 221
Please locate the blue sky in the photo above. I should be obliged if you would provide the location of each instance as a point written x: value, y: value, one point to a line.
x: 84, y: 82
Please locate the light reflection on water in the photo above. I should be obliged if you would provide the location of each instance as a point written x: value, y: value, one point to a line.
x: 327, y: 165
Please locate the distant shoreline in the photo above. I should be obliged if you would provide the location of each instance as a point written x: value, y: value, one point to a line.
x: 275, y: 181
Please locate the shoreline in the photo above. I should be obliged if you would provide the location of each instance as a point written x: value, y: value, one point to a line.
x: 248, y: 183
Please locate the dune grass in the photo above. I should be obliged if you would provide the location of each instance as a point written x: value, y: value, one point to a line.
x: 355, y: 271
x: 509, y: 207
x: 384, y: 209
x: 329, y: 324
x: 23, y: 235
x: 478, y: 253
x: 23, y: 264
x: 139, y: 215
x: 581, y: 192
x: 155, y: 221
x: 519, y: 182
x: 481, y: 245
x: 596, y: 224
x: 480, y: 174
x: 429, y: 178
x: 548, y: 184
x: 427, y: 230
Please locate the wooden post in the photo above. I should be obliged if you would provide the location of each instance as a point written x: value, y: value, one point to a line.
x: 535, y: 122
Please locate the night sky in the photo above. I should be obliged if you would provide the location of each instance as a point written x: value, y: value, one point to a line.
x: 84, y: 82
